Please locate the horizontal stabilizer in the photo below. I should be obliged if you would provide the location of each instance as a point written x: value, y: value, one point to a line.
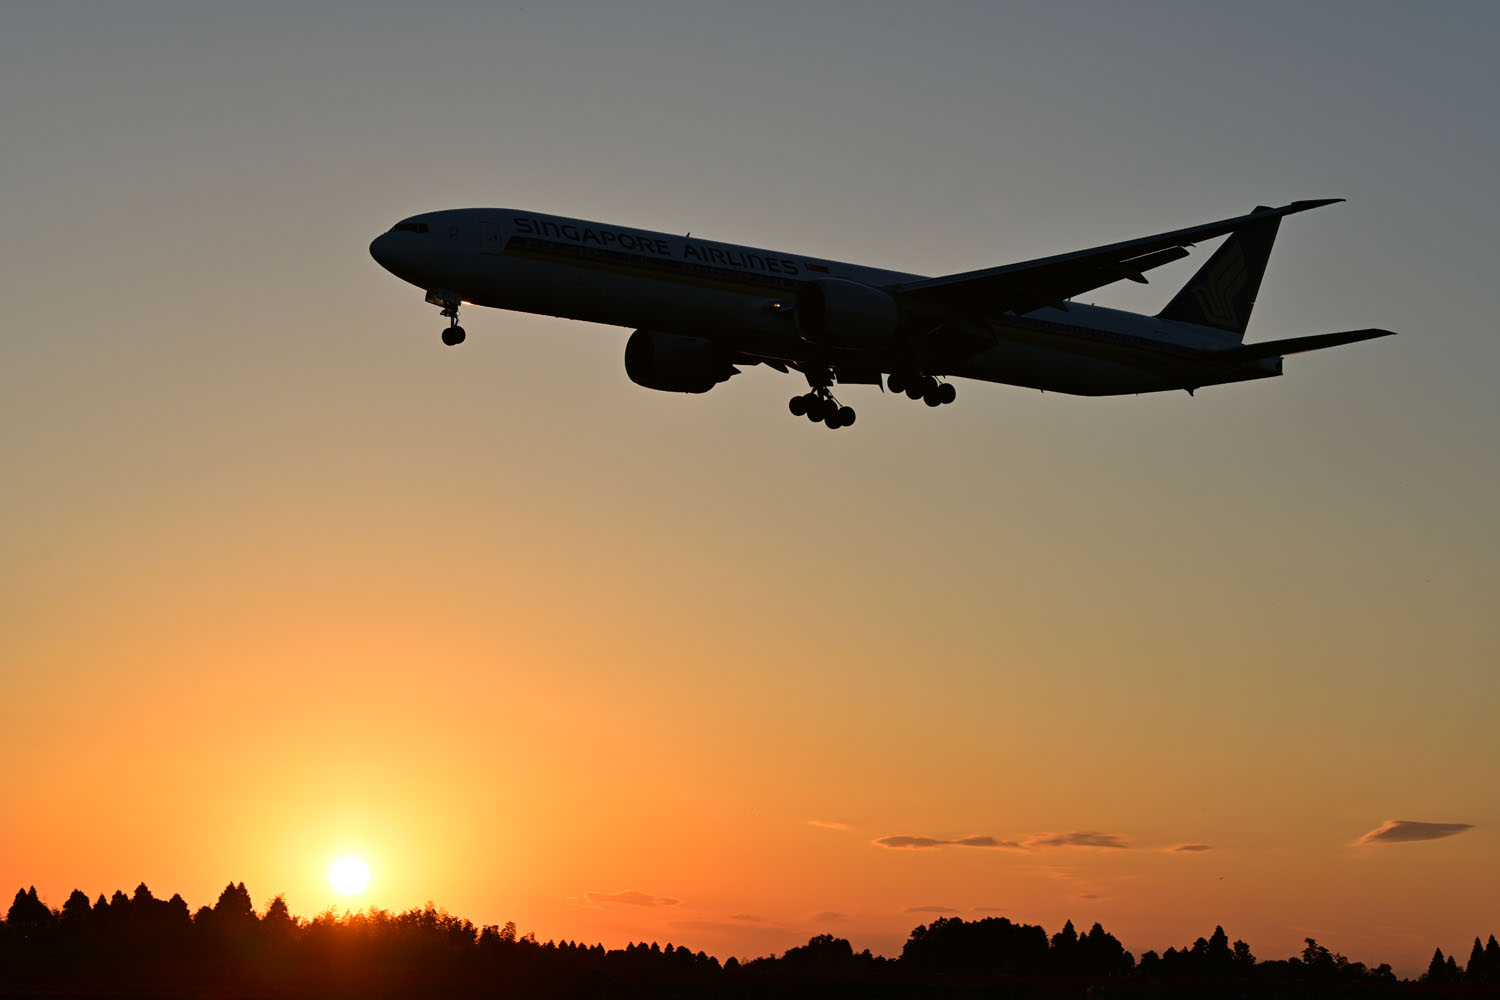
x: 1296, y: 345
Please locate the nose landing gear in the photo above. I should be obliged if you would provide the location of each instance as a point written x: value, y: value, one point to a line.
x: 454, y: 334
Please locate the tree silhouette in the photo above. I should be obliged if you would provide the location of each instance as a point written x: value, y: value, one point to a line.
x: 825, y: 956
x: 234, y: 904
x: 277, y: 913
x: 1220, y: 958
x: 1063, y: 950
x: 76, y: 911
x: 1318, y: 959
x: 993, y: 945
x: 28, y: 918
x: 1437, y: 969
x: 820, y: 952
x: 1101, y: 954
x: 145, y: 946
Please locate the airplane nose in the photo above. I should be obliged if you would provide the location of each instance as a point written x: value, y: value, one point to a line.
x: 381, y: 250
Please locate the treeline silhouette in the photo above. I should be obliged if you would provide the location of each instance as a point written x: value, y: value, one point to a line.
x: 147, y: 946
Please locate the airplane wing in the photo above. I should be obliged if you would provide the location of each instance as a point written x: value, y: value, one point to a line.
x: 1029, y: 285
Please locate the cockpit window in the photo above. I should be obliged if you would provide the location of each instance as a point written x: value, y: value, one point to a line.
x: 410, y: 227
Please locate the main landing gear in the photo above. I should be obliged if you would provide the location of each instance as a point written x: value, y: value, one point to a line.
x: 923, y: 387
x: 819, y: 406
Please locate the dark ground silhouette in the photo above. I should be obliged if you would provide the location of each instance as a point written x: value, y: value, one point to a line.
x: 143, y: 946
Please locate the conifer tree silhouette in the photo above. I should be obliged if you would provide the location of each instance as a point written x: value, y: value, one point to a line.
x: 1474, y: 971
x: 142, y: 945
x: 234, y: 903
x: 76, y: 911
x: 28, y: 918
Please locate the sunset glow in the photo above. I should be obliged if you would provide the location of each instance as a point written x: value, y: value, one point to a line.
x: 289, y: 591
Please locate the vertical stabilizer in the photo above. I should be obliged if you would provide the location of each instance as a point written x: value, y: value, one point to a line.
x: 1223, y: 291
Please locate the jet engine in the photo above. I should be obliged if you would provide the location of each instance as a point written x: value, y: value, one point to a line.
x: 847, y: 314
x: 673, y: 363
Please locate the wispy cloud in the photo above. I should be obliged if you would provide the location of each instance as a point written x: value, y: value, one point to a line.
x: 1079, y: 838
x: 828, y: 824
x: 985, y: 841
x: 911, y: 843
x: 1075, y: 838
x: 630, y: 896
x: 748, y: 918
x: 1189, y: 848
x: 827, y: 917
x: 930, y: 909
x: 906, y: 843
x: 1405, y: 831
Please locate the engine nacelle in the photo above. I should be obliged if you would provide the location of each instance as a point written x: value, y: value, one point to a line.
x: 672, y: 363
x: 847, y: 314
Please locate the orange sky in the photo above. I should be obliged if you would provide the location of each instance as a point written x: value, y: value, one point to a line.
x: 282, y: 580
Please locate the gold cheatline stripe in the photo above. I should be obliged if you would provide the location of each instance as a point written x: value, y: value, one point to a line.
x: 677, y: 271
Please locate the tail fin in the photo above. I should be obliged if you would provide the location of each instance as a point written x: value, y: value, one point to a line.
x: 1223, y: 291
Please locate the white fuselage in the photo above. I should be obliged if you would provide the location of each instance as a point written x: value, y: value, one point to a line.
x: 741, y: 297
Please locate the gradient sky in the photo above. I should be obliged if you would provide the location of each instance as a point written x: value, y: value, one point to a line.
x: 283, y: 579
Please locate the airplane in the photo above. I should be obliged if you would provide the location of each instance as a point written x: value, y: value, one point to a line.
x: 703, y: 310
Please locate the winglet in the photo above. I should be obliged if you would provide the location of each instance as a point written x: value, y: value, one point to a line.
x: 1302, y: 206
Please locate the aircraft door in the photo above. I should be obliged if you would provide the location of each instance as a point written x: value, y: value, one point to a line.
x: 489, y: 237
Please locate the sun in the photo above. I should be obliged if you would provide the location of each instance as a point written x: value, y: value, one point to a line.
x: 349, y: 875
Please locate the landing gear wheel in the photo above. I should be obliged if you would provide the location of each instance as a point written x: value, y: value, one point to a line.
x: 895, y: 383
x: 454, y: 335
x: 933, y: 398
x: 947, y: 393
x: 819, y: 406
x: 914, y: 391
